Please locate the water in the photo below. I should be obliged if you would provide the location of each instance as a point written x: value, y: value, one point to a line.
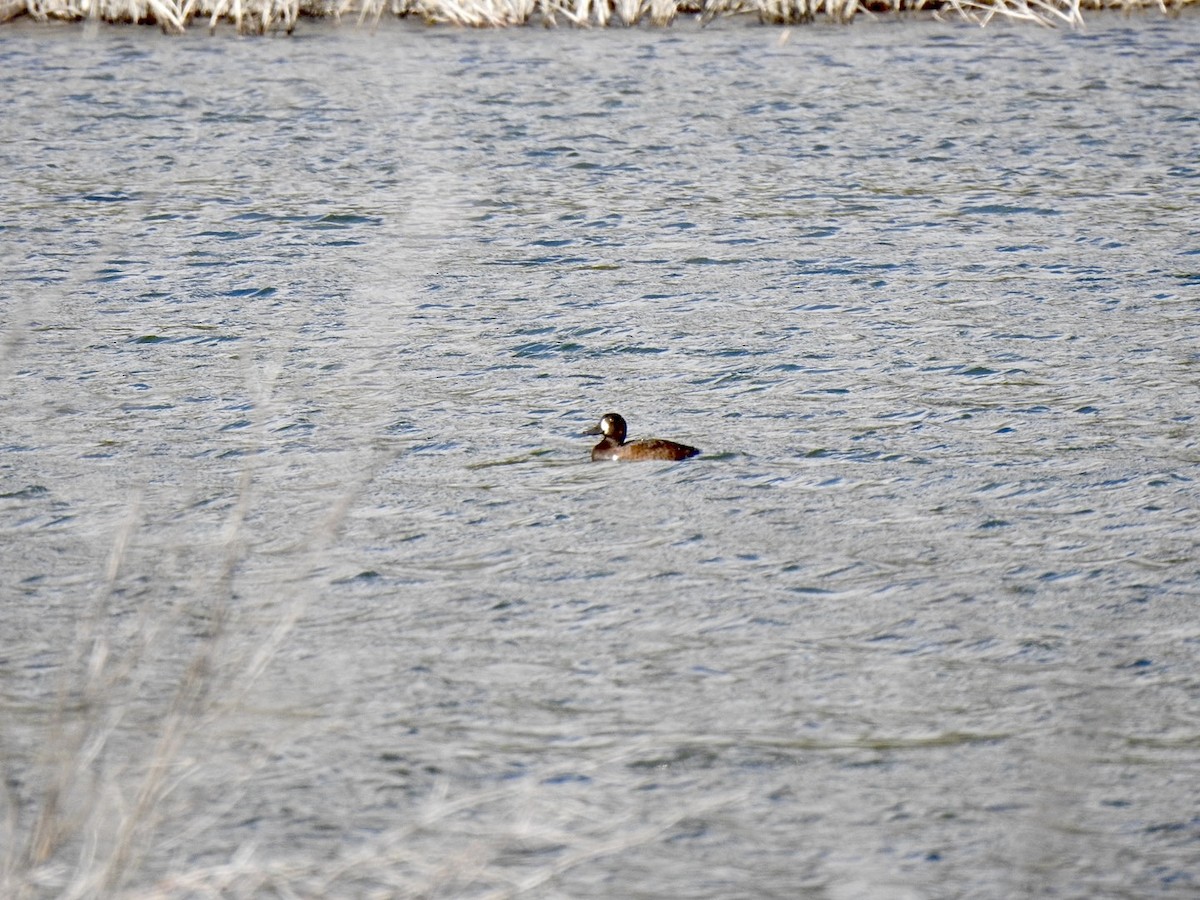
x: 298, y: 338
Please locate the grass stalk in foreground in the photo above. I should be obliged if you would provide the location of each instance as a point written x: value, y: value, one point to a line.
x: 101, y: 815
x: 92, y: 807
x: 85, y: 809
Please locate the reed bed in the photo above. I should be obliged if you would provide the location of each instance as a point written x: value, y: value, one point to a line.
x: 261, y: 16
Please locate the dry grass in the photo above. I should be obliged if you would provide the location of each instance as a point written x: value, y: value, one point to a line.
x: 142, y: 694
x: 260, y: 16
x: 97, y: 805
x: 91, y: 800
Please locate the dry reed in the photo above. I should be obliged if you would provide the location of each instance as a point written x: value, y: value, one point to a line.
x: 260, y: 16
x: 84, y: 813
x: 96, y: 822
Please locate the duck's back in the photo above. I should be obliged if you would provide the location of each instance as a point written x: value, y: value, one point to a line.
x: 649, y: 448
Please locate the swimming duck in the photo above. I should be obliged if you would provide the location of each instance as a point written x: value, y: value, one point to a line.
x: 614, y: 447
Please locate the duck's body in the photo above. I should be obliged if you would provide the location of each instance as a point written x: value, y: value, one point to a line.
x: 614, y: 447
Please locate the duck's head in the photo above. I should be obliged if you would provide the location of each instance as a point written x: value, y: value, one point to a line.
x: 611, y: 426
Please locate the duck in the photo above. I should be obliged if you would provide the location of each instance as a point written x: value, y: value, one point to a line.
x: 614, y: 447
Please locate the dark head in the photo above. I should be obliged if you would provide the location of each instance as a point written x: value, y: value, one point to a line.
x: 612, y: 426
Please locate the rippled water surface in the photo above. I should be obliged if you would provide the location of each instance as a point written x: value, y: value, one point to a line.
x: 298, y: 339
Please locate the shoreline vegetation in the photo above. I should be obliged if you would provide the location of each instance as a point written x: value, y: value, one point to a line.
x: 262, y: 16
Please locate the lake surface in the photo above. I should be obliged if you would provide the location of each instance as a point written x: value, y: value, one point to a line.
x: 309, y: 586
